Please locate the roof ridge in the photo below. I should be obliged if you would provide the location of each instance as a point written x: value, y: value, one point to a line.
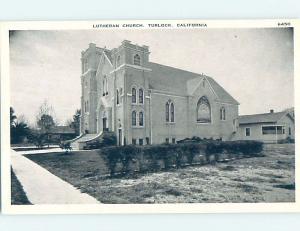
x: 266, y: 113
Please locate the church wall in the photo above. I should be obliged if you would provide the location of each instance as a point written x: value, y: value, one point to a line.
x: 162, y: 129
x: 139, y: 79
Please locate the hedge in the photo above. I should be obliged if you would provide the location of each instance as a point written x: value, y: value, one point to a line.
x: 166, y: 156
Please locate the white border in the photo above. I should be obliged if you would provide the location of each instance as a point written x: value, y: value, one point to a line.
x: 133, y: 208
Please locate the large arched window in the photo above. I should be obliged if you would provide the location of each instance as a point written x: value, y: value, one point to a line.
x: 141, y: 118
x: 137, y: 60
x: 118, y: 97
x: 141, y: 96
x: 172, y: 112
x: 133, y: 97
x: 133, y: 118
x: 167, y: 112
x: 222, y: 113
x: 203, y: 110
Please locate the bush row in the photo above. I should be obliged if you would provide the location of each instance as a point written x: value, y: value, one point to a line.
x: 165, y: 156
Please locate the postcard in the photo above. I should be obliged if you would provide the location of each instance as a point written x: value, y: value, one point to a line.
x: 150, y: 116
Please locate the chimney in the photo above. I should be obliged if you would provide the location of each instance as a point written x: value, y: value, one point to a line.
x: 271, y: 111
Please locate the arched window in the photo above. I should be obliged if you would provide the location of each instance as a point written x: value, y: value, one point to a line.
x: 137, y: 60
x: 133, y: 118
x: 172, y: 112
x: 141, y: 96
x: 141, y: 118
x: 105, y: 85
x: 222, y: 113
x: 203, y: 110
x: 118, y: 60
x: 167, y: 112
x: 133, y: 97
x: 118, y: 97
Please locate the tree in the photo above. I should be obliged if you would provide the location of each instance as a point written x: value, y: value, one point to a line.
x: 75, y: 123
x: 18, y: 128
x: 13, y: 117
x: 45, y: 120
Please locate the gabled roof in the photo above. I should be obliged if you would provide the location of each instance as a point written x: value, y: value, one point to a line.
x: 62, y: 130
x: 222, y: 94
x: 262, y: 118
x: 183, y: 82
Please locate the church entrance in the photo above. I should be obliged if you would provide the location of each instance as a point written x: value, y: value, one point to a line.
x: 104, y: 121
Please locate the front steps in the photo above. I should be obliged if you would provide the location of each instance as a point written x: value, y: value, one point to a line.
x: 78, y: 143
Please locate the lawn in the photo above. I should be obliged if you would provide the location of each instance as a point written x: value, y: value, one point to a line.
x: 259, y: 179
x: 18, y: 196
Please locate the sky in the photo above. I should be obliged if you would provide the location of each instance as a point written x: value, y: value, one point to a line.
x: 254, y: 65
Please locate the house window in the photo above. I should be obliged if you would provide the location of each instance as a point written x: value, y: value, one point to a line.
x: 272, y: 130
x: 118, y: 97
x: 133, y: 97
x: 167, y: 140
x: 290, y: 131
x: 133, y: 118
x: 203, y: 110
x: 248, y: 132
x: 141, y: 96
x: 141, y: 118
x: 172, y: 112
x: 222, y: 113
x: 141, y: 141
x: 173, y: 141
x: 167, y: 112
x: 134, y: 141
x: 137, y: 60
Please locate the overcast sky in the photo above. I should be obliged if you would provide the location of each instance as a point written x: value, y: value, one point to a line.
x: 254, y: 65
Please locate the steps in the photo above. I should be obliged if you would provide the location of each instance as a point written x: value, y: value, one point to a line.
x: 82, y: 139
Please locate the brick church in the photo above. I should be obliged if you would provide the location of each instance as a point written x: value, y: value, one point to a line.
x: 148, y: 103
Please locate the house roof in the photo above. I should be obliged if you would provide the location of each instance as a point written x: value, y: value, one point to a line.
x: 262, y: 118
x: 62, y: 130
x: 166, y: 78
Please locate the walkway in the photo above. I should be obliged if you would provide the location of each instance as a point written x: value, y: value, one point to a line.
x: 42, y: 187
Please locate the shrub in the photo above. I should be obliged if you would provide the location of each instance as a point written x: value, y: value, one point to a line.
x: 149, y: 157
x: 66, y: 146
x: 111, y: 156
x: 109, y: 139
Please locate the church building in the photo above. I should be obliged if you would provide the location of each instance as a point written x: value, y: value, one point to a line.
x: 148, y: 103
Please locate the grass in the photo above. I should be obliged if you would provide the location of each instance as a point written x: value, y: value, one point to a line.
x: 270, y: 178
x: 18, y: 196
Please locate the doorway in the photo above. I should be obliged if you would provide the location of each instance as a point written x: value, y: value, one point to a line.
x: 120, y: 137
x: 105, y: 127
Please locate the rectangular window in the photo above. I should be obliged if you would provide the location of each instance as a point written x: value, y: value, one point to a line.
x: 290, y: 131
x: 248, y: 132
x: 173, y: 141
x: 147, y: 140
x: 167, y: 140
x: 134, y: 141
x: 141, y: 141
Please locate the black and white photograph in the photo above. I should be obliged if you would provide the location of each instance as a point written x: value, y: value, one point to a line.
x: 150, y: 113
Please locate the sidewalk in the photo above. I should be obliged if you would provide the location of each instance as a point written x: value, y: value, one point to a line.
x: 42, y: 187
